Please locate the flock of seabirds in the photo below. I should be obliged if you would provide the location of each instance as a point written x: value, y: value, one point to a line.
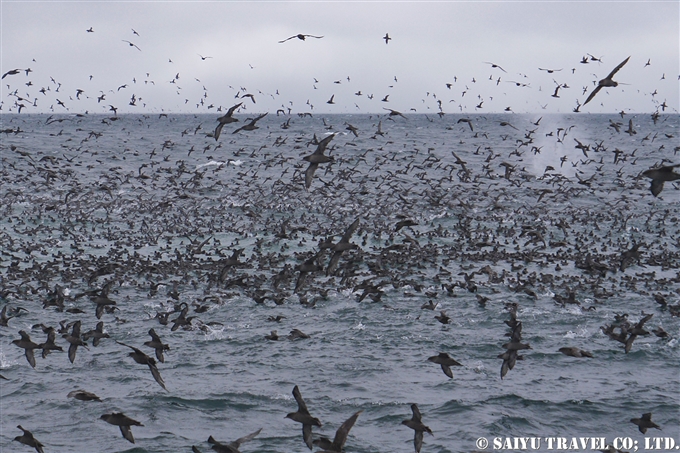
x: 328, y: 187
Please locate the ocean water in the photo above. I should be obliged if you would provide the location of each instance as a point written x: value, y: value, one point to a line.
x: 161, y: 205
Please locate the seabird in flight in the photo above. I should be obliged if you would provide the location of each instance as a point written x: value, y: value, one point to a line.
x: 303, y: 416
x: 659, y: 176
x: 607, y: 81
x: 301, y: 37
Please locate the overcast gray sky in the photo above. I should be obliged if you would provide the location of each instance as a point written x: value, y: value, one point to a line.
x: 433, y: 44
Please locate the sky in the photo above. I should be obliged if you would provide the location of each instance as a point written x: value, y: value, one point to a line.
x: 432, y: 44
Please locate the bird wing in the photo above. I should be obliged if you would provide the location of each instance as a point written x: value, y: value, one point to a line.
x: 343, y: 431
x: 616, y: 69
x: 72, y: 352
x: 447, y: 371
x: 333, y: 264
x: 307, y: 435
x: 157, y: 376
x: 154, y: 336
x: 642, y: 322
x: 233, y: 109
x: 417, y: 417
x: 592, y: 94
x: 218, y: 130
x: 300, y: 281
x: 321, y: 147
x: 418, y: 440
x: 302, y: 407
x: 250, y: 436
x: 159, y: 354
x: 504, y: 368
x: 295, y: 36
x: 309, y: 174
x: 125, y: 431
x: 30, y: 357
x: 350, y: 230
x: 629, y: 343
x: 76, y: 330
x: 656, y: 187
x: 138, y: 351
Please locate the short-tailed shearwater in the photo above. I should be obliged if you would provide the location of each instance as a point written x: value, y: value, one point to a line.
x: 303, y: 416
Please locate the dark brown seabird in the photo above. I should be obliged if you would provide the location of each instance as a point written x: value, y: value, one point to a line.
x: 28, y: 346
x: 301, y: 37
x: 74, y: 339
x: 96, y: 334
x: 28, y: 439
x: 416, y: 424
x: 226, y: 119
x: 303, y: 416
x: 232, y: 447
x: 143, y: 359
x: 251, y: 126
x: 660, y: 175
x: 316, y: 158
x: 123, y: 422
x: 341, y: 246
x: 575, y: 352
x: 607, y: 81
x: 446, y: 363
x: 340, y: 436
x: 645, y: 422
x: 82, y: 395
x: 49, y: 345
x: 157, y: 344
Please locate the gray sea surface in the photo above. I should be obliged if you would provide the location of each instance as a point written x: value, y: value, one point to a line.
x: 151, y: 208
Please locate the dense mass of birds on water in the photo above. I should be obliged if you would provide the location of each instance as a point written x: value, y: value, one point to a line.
x: 359, y: 215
